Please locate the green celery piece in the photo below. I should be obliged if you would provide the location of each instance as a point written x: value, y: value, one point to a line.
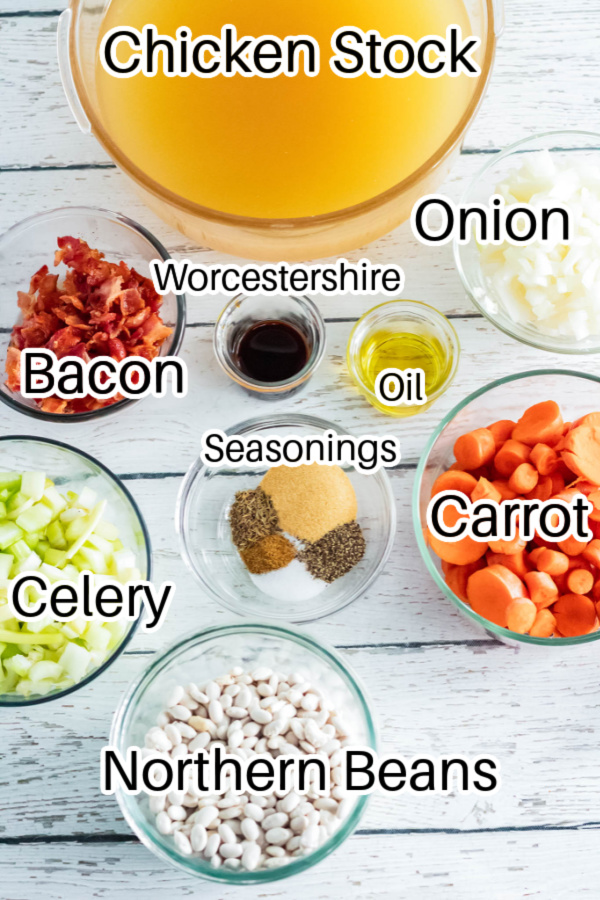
x: 56, y: 535
x: 10, y: 481
x: 54, y: 499
x: 6, y: 564
x: 33, y: 484
x: 54, y: 557
x: 32, y: 540
x: 9, y: 533
x: 91, y: 522
x: 36, y: 518
x: 2, y: 509
x: 17, y: 504
x: 20, y: 550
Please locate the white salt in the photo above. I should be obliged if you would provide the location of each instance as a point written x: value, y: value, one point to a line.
x: 292, y: 583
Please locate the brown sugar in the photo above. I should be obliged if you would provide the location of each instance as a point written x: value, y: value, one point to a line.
x: 310, y: 500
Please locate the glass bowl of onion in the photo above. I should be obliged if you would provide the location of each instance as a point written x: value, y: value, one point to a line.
x: 544, y: 294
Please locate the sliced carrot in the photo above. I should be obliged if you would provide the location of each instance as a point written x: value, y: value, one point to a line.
x: 558, y: 483
x: 590, y: 419
x: 582, y: 452
x: 544, y: 458
x: 580, y: 581
x: 550, y: 561
x: 504, y: 490
x: 523, y: 479
x: 461, y: 552
x: 575, y: 615
x: 475, y: 449
x: 502, y: 430
x: 454, y: 481
x: 516, y: 562
x: 572, y: 547
x: 520, y: 615
x: 509, y: 456
x: 542, y: 589
x: 485, y: 490
x: 490, y: 592
x: 508, y: 547
x: 540, y: 424
x: 542, y: 490
x: 458, y: 576
x: 592, y: 553
x: 544, y: 624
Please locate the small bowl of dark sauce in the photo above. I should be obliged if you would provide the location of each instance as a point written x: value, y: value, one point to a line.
x: 270, y: 345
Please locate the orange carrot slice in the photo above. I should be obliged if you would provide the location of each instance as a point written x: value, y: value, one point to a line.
x: 540, y: 424
x: 475, y: 449
x: 544, y: 458
x: 490, y: 592
x: 550, y: 561
x: 582, y: 452
x: 572, y: 547
x: 575, y: 615
x: 508, y: 547
x: 502, y: 430
x: 523, y: 479
x: 592, y: 553
x: 544, y: 625
x: 542, y: 589
x: 485, y: 490
x: 520, y: 615
x: 542, y: 490
x: 509, y: 456
x: 454, y: 481
x: 458, y: 576
x: 580, y: 581
x: 516, y: 562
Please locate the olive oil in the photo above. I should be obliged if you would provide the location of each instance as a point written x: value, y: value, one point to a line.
x: 386, y: 350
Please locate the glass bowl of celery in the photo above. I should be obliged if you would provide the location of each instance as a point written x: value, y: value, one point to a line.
x: 61, y: 513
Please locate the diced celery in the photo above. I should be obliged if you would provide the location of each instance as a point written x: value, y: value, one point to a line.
x: 70, y: 514
x: 70, y: 573
x: 18, y: 664
x: 124, y: 559
x: 76, y: 529
x: 6, y: 563
x: 91, y: 521
x: 17, y: 504
x: 36, y: 518
x: 86, y: 499
x: 9, y: 533
x: 45, y: 670
x: 30, y: 564
x: 52, y: 573
x: 105, y: 547
x: 20, y: 550
x: 75, y: 661
x: 33, y: 484
x: 55, y: 557
x: 2, y: 509
x: 56, y: 535
x: 94, y: 560
x: 108, y: 531
x: 32, y: 540
x: 97, y: 637
x: 42, y: 547
x: 10, y: 481
x: 54, y: 500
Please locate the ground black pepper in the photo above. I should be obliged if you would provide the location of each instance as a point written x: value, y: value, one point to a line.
x: 335, y: 553
x: 252, y: 517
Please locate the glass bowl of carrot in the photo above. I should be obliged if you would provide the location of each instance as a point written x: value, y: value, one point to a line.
x: 534, y: 435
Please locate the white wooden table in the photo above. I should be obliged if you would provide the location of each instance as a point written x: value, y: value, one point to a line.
x: 437, y: 686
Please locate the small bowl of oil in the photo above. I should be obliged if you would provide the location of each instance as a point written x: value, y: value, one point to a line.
x: 407, y: 336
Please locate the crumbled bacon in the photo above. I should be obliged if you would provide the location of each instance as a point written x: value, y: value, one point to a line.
x: 102, y: 309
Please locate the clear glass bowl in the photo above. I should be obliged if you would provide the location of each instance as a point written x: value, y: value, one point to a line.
x: 272, y: 239
x: 208, y: 654
x: 397, y: 317
x: 30, y: 244
x: 570, y: 145
x: 243, y: 312
x: 72, y: 470
x: 202, y: 523
x: 508, y: 398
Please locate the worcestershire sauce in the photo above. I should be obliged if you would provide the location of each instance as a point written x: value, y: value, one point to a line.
x: 272, y: 351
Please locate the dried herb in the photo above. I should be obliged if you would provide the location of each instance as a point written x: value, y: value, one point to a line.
x: 270, y: 553
x: 336, y: 553
x: 252, y: 517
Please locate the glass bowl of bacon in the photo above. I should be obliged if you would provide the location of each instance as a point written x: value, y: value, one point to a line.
x: 76, y: 282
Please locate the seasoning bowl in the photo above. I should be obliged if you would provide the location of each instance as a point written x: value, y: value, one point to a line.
x: 30, y: 244
x: 575, y: 392
x: 72, y: 469
x: 202, y: 523
x: 242, y: 313
x: 574, y: 146
x: 209, y: 654
x: 410, y: 317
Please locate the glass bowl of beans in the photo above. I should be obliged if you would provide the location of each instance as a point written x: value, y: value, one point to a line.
x: 252, y: 689
x: 316, y: 543
x: 525, y: 593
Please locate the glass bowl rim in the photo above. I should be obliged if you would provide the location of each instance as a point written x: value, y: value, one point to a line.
x: 198, y: 470
x: 144, y: 679
x: 17, y: 230
x: 314, y: 361
x: 489, y: 32
x: 438, y: 316
x: 501, y: 633
x: 148, y: 551
x: 514, y: 331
